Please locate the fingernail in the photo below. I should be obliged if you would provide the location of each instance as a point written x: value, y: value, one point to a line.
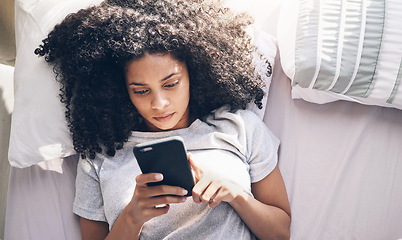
x: 159, y: 177
x: 184, y: 191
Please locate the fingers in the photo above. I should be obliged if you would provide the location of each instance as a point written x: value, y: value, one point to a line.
x: 213, y: 189
x: 199, y: 189
x: 162, y: 190
x: 151, y: 196
x: 206, y: 190
x: 147, y: 205
x: 144, y: 179
x: 151, y: 201
x: 161, y: 201
x: 149, y: 213
x: 210, y: 193
x: 197, y: 171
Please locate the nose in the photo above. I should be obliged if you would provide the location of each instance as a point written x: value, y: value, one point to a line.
x: 159, y: 101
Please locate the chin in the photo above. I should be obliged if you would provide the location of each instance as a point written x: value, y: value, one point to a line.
x: 165, y: 127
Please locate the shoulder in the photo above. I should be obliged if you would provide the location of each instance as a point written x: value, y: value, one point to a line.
x: 245, y: 123
x: 91, y: 166
x: 234, y: 117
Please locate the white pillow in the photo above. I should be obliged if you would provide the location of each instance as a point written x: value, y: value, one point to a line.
x: 265, y: 13
x: 343, y: 50
x: 38, y: 129
x: 266, y: 45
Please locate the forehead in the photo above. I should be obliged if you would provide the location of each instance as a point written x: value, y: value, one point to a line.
x: 153, y: 66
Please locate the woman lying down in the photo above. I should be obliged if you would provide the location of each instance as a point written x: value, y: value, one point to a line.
x: 135, y: 71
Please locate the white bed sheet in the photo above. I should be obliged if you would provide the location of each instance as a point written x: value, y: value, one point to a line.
x: 342, y: 165
x: 39, y: 205
x: 341, y: 162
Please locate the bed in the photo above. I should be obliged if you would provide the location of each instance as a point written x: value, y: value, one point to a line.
x: 340, y: 153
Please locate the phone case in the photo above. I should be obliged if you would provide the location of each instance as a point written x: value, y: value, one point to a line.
x: 169, y: 157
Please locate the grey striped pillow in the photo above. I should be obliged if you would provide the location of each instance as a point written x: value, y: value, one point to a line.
x: 343, y: 49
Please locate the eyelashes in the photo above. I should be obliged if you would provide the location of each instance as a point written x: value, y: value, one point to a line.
x: 170, y: 85
x: 145, y: 91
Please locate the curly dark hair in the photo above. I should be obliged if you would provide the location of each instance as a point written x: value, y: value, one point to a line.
x: 90, y: 50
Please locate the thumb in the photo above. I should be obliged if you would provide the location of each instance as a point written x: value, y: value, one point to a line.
x: 197, y: 171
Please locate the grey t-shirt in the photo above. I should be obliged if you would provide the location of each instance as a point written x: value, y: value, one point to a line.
x: 237, y: 145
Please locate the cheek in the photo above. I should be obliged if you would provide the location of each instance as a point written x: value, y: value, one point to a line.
x: 186, y: 90
x: 181, y: 98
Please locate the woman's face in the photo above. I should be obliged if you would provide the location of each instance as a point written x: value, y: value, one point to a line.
x: 159, y: 88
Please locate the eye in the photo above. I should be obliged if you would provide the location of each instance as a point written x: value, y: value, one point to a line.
x: 170, y: 85
x: 141, y: 92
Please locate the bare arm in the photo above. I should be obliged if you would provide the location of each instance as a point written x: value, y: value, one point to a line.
x: 268, y: 213
x: 122, y: 229
x: 93, y: 229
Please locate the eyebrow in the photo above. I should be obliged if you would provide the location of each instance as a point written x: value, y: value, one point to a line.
x: 163, y: 79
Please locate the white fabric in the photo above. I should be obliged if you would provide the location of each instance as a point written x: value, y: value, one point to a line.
x: 343, y: 50
x: 38, y: 129
x: 341, y: 163
x: 40, y: 202
x: 267, y: 46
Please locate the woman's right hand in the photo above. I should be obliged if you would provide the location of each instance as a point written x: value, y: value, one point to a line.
x: 152, y: 201
x: 147, y: 202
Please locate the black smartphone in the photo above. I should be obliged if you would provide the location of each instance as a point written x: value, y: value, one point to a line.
x: 169, y: 157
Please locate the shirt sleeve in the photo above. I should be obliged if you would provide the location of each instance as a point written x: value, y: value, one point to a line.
x: 88, y: 202
x: 262, y: 147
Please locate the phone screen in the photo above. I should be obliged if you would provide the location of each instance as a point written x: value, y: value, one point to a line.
x: 169, y: 157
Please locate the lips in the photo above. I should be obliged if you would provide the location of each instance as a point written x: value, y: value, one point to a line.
x: 164, y: 117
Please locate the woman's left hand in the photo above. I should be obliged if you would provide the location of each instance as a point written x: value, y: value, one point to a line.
x: 212, y: 189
